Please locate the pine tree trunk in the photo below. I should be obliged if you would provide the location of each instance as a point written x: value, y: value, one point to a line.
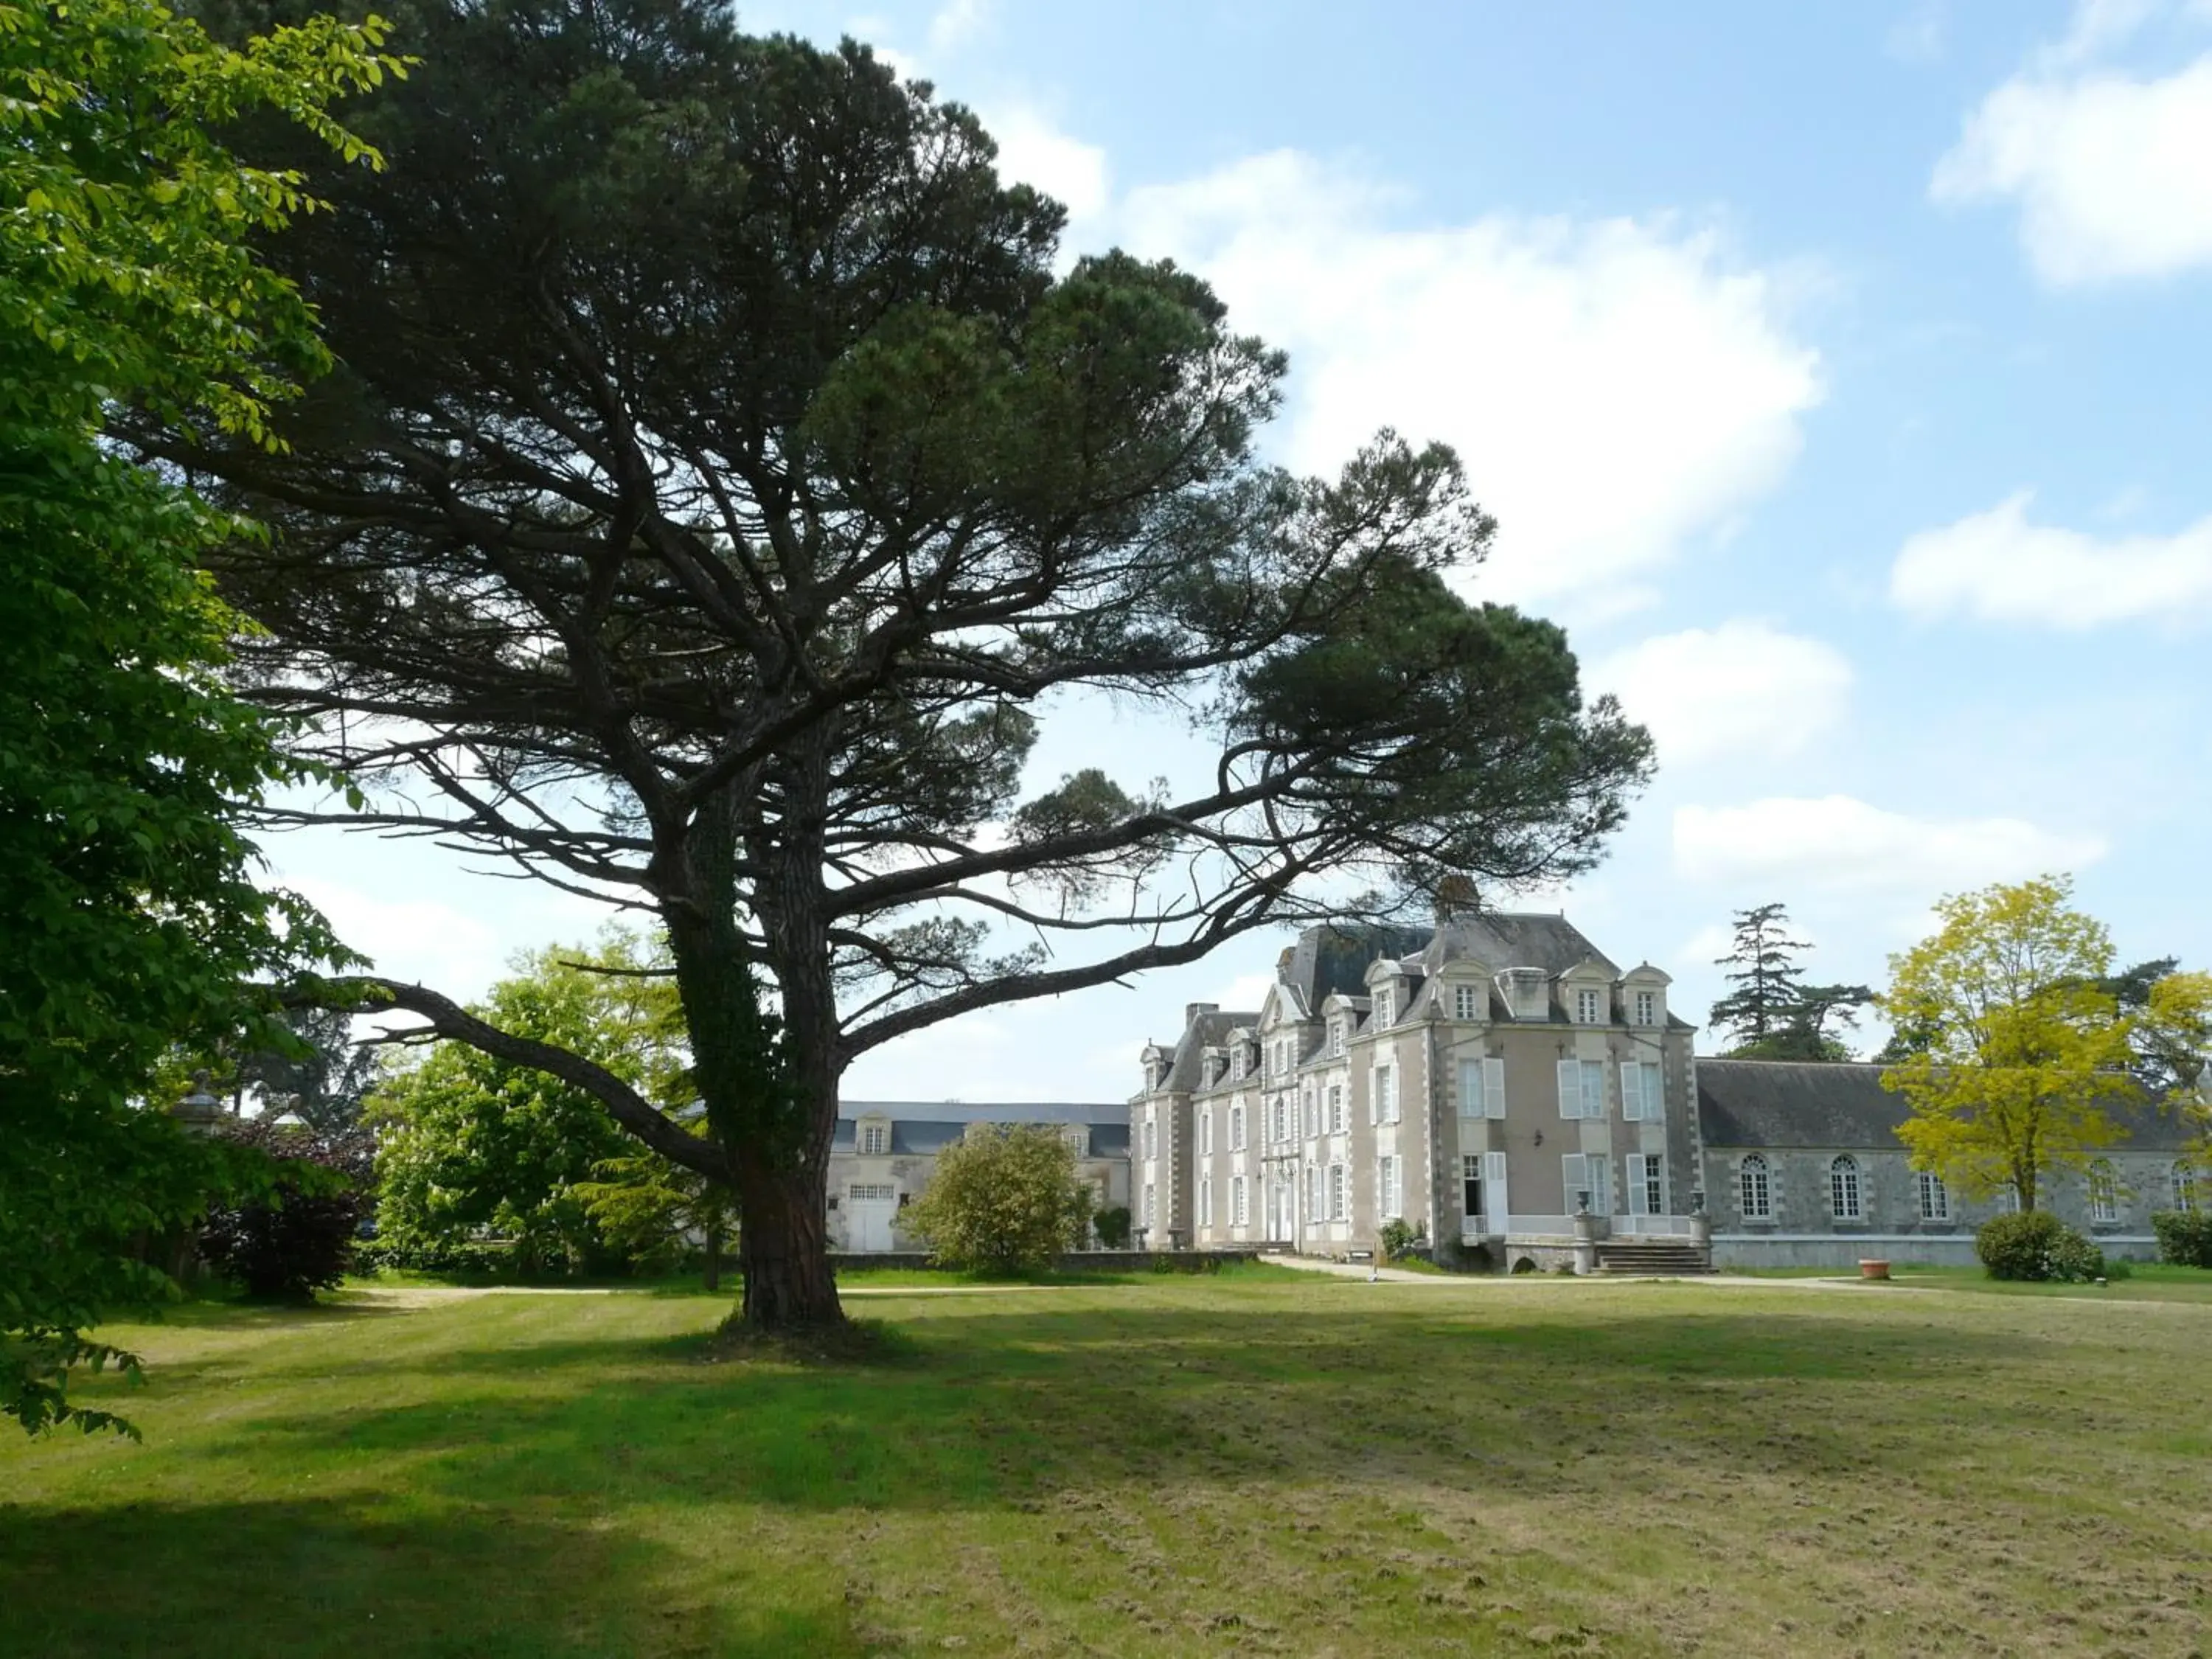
x: 783, y: 1251
x: 714, y: 1256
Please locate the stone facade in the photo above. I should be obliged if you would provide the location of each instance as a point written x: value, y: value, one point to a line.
x: 1802, y: 1168
x: 1478, y: 1081
x: 883, y: 1151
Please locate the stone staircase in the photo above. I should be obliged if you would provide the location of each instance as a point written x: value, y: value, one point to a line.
x: 1669, y: 1256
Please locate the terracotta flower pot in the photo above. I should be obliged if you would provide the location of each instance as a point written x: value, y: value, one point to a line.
x: 1873, y: 1269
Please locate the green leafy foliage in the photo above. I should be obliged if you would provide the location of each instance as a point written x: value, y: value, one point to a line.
x: 2185, y: 1237
x: 128, y: 278
x: 297, y: 1237
x: 469, y: 1146
x: 1113, y: 1226
x: 2034, y: 1245
x: 1004, y: 1199
x: 1400, y: 1237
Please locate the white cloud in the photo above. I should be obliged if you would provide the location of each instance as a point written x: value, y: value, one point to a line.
x: 2108, y: 170
x: 416, y: 939
x: 1838, y: 844
x: 1034, y: 151
x: 1917, y: 38
x: 1743, y: 688
x: 1617, y: 388
x: 956, y: 23
x: 1997, y: 566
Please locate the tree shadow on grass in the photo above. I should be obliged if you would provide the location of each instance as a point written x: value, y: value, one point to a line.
x: 310, y: 1578
x: 995, y: 1410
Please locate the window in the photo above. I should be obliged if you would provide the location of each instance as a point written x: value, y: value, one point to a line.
x: 1151, y: 1138
x: 2006, y: 1201
x: 1382, y: 1008
x: 1077, y: 1141
x: 1470, y: 1176
x: 2104, y: 1193
x: 1236, y: 1128
x: 868, y: 1192
x: 1935, y: 1197
x: 1206, y: 1128
x: 1386, y: 1094
x: 1336, y: 1108
x: 1314, y: 1204
x: 1237, y: 1064
x: 1582, y: 1088
x: 1647, y: 1184
x: 1642, y: 1092
x: 1282, y: 1121
x: 1387, y: 1204
x: 1843, y: 1196
x: 1647, y: 1007
x: 1152, y: 1215
x: 1239, y: 1212
x: 1336, y: 1036
x: 1206, y: 1195
x: 1311, y: 1112
x: 1758, y: 1193
x: 1336, y: 1192
x: 2183, y: 1176
x: 875, y: 1139
x: 1278, y: 1054
x: 1465, y: 1002
x: 1586, y: 1007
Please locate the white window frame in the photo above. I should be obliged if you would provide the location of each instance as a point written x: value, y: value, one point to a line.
x: 1316, y: 1203
x: 1643, y: 1091
x: 1465, y: 1002
x: 1588, y: 1006
x: 1206, y: 1128
x: 2183, y: 1177
x: 1591, y: 1172
x: 872, y: 1192
x: 1472, y: 1168
x: 1152, y: 1137
x: 1336, y: 1108
x: 1846, y: 1188
x: 1384, y: 1096
x: 875, y: 1139
x: 1240, y: 1202
x: 1755, y: 1182
x: 1389, y: 1204
x: 1935, y: 1196
x: 1206, y: 1194
x: 2104, y: 1193
x: 1336, y: 1036
x: 1340, y: 1193
x: 1279, y: 1124
x: 1647, y: 1007
x: 1382, y: 1007
x: 1236, y: 1128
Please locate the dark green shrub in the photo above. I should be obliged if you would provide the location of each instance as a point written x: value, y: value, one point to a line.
x: 1399, y: 1238
x: 1113, y: 1226
x: 455, y: 1258
x: 2036, y: 1245
x: 2184, y: 1239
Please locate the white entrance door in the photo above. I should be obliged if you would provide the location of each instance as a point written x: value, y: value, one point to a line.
x: 868, y: 1212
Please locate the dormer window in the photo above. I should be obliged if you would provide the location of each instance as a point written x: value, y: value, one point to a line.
x: 1647, y: 1007
x: 1382, y: 1008
x: 875, y: 1139
x: 1236, y: 1065
x: 1588, y: 1007
x: 1466, y: 1003
x: 1336, y: 1036
x: 1077, y: 1141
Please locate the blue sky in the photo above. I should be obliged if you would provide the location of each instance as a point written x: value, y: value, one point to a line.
x: 1838, y: 373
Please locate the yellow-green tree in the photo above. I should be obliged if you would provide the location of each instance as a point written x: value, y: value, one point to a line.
x: 1003, y: 1198
x: 2175, y: 1032
x: 2023, y: 1053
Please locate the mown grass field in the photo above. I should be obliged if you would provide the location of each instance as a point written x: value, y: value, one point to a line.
x: 1256, y: 1463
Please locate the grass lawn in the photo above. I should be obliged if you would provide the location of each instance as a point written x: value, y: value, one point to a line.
x: 1251, y: 1463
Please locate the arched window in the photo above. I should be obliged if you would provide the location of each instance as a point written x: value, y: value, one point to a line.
x: 2104, y: 1192
x: 1844, y: 1189
x: 2185, y: 1186
x: 1758, y: 1190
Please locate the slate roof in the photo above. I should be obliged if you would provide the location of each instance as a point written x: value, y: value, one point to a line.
x: 1334, y: 958
x: 1499, y: 941
x: 921, y: 1127
x: 1201, y: 1032
x: 1783, y: 1104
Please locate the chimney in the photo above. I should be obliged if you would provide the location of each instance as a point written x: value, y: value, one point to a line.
x: 1191, y: 1011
